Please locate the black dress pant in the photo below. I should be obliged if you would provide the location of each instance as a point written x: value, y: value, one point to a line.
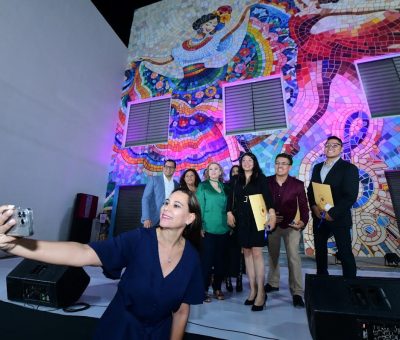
x: 343, y: 244
x: 233, y: 256
x: 212, y: 259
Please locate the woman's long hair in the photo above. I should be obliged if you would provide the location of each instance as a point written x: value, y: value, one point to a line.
x: 256, y: 169
x: 231, y: 173
x: 192, y: 231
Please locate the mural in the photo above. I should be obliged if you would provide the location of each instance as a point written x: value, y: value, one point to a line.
x: 313, y: 45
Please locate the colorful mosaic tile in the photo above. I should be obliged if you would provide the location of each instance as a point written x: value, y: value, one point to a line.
x: 314, y: 47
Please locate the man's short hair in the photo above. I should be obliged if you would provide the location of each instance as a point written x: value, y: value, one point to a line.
x: 335, y: 138
x: 285, y: 155
x: 170, y: 160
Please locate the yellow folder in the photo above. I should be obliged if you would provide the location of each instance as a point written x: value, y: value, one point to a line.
x: 259, y: 209
x: 323, y: 195
x: 297, y: 216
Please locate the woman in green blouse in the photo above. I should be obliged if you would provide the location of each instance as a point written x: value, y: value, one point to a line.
x: 212, y: 196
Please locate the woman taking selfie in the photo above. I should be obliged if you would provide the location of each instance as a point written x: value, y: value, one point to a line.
x: 162, y: 274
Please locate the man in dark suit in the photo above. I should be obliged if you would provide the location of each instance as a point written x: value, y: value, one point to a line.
x: 343, y: 179
x: 157, y: 189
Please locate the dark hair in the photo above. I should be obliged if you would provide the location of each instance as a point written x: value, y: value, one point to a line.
x: 231, y: 171
x: 205, y: 174
x: 335, y: 138
x: 197, y: 179
x: 256, y: 169
x: 203, y: 19
x: 192, y: 231
x: 170, y: 160
x: 285, y: 155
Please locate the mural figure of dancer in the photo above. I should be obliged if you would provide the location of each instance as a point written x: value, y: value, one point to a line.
x: 209, y: 50
x: 327, y: 46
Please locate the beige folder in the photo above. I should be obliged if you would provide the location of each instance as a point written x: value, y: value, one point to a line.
x: 323, y: 195
x: 297, y: 216
x: 259, y: 209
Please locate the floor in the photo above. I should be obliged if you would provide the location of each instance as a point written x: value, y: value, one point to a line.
x: 228, y: 319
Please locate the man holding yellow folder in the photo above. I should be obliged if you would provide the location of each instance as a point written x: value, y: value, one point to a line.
x: 292, y: 215
x: 331, y: 209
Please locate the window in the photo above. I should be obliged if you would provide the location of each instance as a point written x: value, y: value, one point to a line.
x: 256, y: 105
x: 148, y: 121
x: 380, y: 80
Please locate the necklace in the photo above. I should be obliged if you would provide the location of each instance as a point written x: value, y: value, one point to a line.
x: 169, y: 256
x: 190, y: 45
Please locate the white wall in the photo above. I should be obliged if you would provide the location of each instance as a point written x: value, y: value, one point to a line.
x: 61, y: 71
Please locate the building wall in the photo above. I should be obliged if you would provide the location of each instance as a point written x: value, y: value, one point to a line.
x: 314, y: 48
x: 61, y: 70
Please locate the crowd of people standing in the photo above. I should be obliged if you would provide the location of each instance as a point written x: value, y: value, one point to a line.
x: 196, y: 234
x: 232, y: 245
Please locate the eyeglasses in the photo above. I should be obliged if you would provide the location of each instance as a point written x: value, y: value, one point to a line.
x: 332, y: 146
x: 169, y: 167
x: 281, y: 163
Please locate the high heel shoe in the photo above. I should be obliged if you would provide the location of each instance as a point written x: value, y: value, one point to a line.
x: 239, y: 284
x: 256, y: 308
x: 249, y: 302
x: 228, y: 284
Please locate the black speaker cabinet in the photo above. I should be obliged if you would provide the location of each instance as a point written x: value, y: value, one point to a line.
x: 46, y: 284
x: 350, y: 309
x: 85, y: 210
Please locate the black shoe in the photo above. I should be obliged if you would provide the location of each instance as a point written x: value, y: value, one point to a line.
x: 298, y: 301
x: 239, y: 284
x: 256, y: 308
x: 268, y: 288
x: 228, y: 284
x: 249, y: 302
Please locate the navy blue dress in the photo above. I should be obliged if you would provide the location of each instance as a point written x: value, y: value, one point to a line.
x: 143, y: 305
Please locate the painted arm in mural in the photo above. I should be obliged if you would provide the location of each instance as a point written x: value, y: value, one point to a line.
x: 240, y: 22
x: 60, y: 253
x: 314, y: 7
x: 158, y: 60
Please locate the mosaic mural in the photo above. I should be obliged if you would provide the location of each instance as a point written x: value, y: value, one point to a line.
x: 189, y: 49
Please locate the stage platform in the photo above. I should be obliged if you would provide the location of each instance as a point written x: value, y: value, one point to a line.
x: 228, y: 319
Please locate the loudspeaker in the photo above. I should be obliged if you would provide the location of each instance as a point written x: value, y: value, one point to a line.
x: 85, y: 210
x: 46, y: 284
x: 85, y: 206
x: 359, y: 308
